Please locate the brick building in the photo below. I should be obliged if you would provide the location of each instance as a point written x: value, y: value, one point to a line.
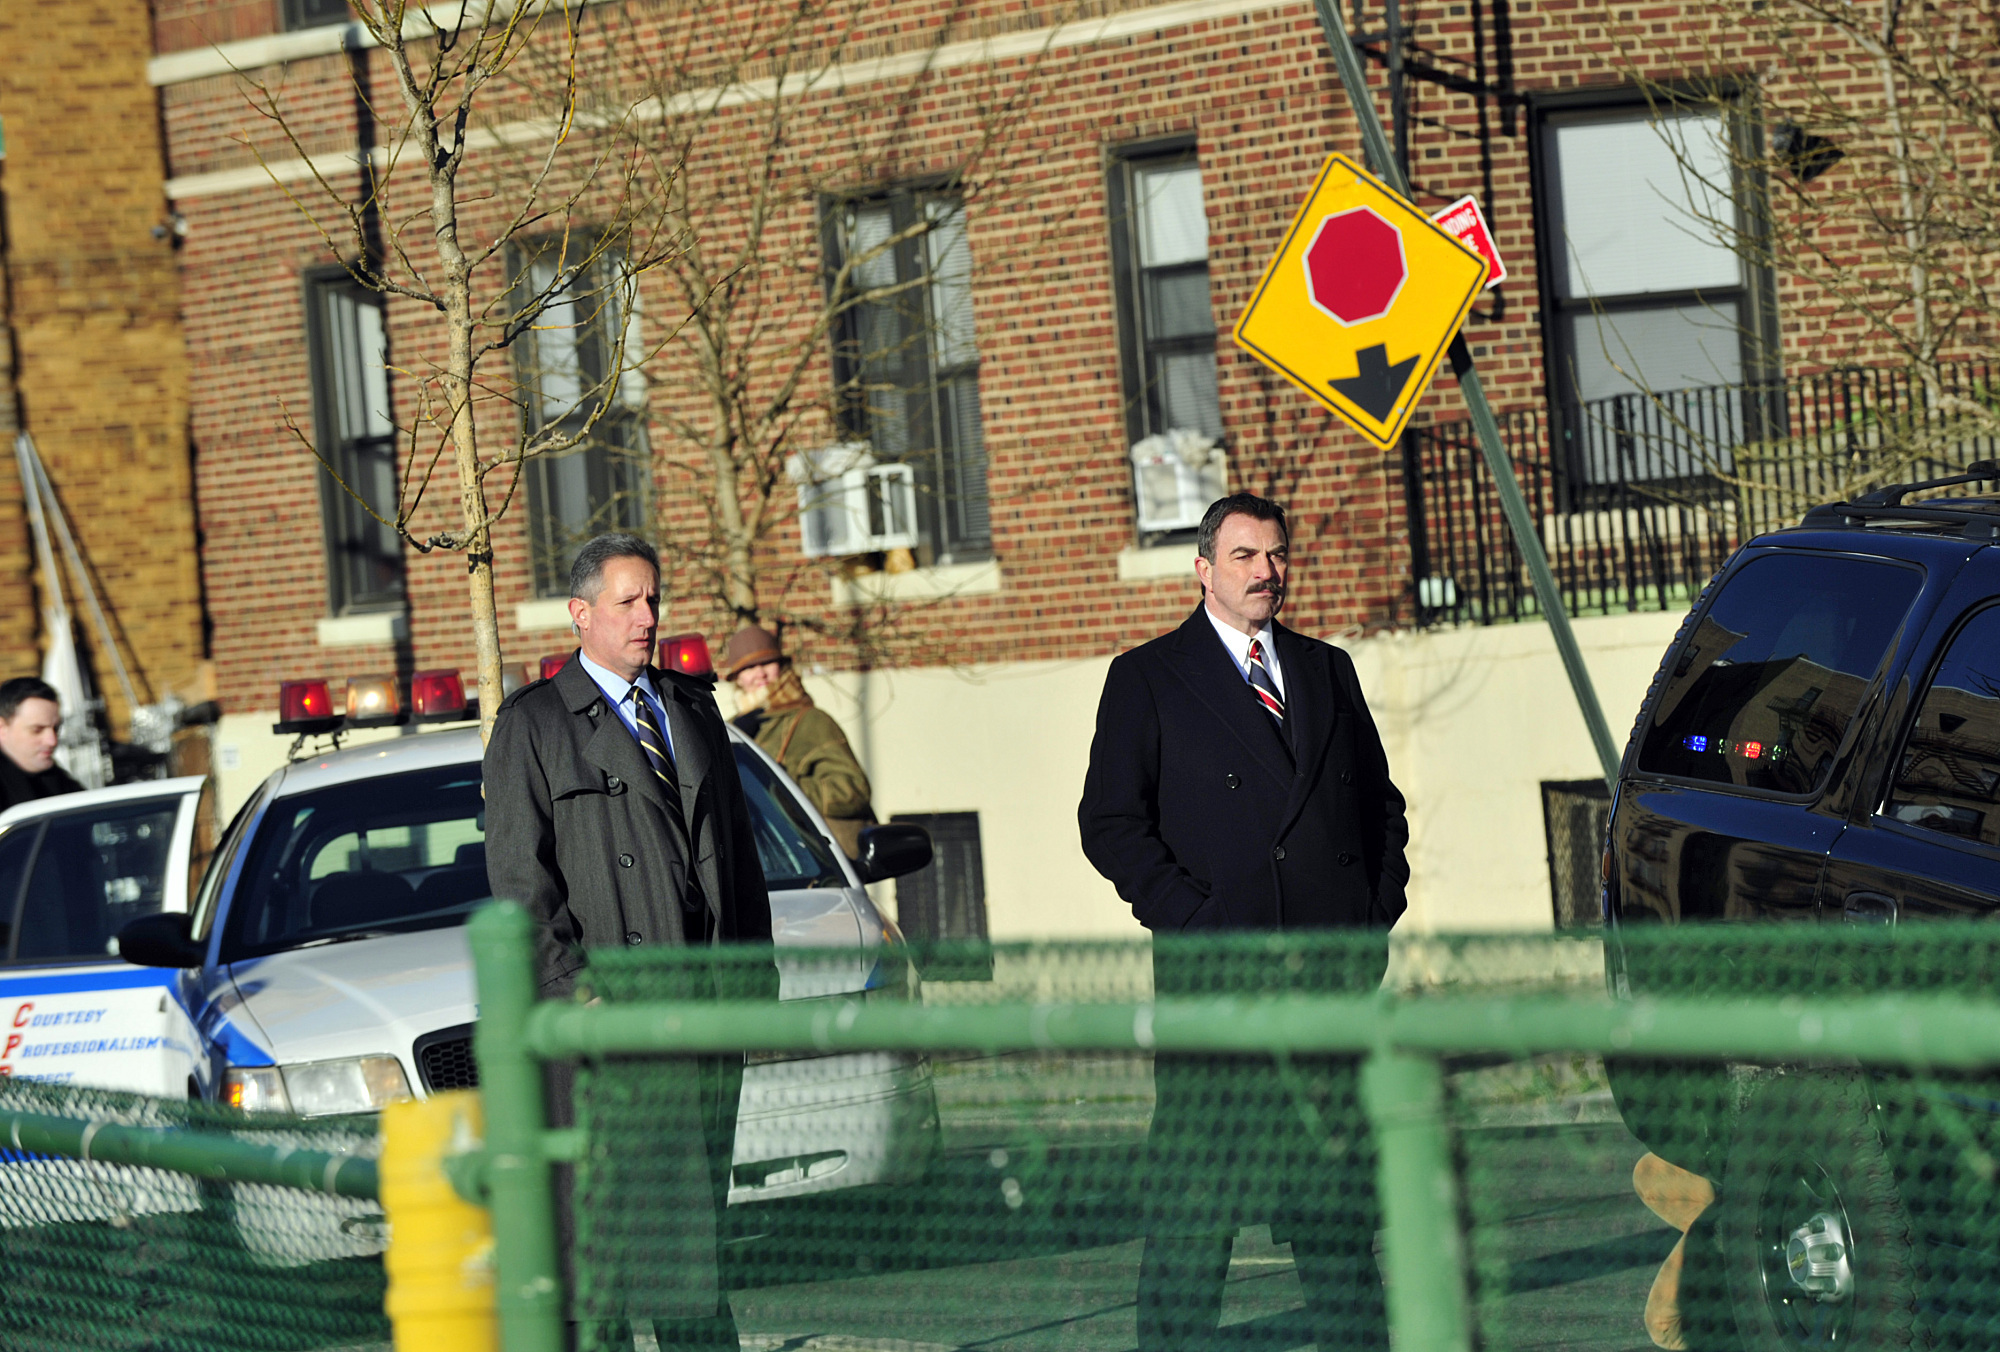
x: 1074, y: 374
x: 91, y: 363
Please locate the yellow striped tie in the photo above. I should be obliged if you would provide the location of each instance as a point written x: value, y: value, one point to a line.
x: 650, y: 737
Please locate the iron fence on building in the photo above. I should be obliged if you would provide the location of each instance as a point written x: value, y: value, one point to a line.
x: 1641, y: 497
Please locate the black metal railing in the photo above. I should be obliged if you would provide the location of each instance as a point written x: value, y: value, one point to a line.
x: 1640, y: 498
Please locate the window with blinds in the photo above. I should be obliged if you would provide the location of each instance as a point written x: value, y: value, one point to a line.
x: 356, y: 435
x: 906, y: 358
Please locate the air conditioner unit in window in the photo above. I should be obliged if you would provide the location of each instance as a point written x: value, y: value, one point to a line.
x: 848, y: 504
x: 1175, y: 475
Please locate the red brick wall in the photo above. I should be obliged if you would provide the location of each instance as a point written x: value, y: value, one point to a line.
x: 1261, y: 99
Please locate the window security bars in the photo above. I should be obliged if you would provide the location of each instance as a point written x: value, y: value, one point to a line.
x: 1641, y: 497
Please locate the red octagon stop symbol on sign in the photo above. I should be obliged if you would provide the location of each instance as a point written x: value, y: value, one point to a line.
x: 1355, y: 266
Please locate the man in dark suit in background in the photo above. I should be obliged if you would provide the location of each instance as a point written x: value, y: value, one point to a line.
x: 30, y: 731
x: 615, y: 816
x: 1237, y: 783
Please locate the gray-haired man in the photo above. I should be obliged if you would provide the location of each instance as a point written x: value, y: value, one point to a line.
x: 614, y: 815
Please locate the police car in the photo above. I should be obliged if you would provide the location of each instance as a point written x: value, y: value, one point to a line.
x: 320, y: 965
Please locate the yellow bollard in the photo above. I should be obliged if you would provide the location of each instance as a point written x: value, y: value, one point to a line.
x: 440, y: 1257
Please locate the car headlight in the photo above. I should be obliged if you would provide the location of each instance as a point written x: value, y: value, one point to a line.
x: 362, y: 1084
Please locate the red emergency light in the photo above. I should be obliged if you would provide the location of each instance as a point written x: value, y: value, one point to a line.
x: 554, y: 663
x: 688, y: 654
x: 437, y: 697
x: 305, y: 707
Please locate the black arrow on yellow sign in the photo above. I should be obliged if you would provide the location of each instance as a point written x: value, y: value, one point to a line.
x: 1376, y: 384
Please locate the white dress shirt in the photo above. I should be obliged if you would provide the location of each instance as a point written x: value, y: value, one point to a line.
x: 1238, y: 644
x: 618, y: 691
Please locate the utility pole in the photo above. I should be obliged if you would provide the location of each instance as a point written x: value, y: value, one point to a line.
x: 1388, y: 166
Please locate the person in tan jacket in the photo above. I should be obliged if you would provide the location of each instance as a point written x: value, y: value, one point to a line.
x: 777, y: 713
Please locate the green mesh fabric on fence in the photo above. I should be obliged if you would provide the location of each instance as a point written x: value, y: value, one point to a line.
x: 1087, y: 1199
x: 96, y: 1255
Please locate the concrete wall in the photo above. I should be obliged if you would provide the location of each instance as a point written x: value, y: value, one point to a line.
x: 1474, y: 720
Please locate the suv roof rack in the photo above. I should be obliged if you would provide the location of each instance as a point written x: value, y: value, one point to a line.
x: 1979, y: 517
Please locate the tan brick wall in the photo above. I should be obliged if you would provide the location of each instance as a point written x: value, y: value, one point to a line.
x: 95, y: 304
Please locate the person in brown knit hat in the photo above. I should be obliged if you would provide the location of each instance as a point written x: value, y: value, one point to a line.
x: 775, y: 710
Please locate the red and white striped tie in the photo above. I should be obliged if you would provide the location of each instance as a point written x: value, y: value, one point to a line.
x: 1261, y: 682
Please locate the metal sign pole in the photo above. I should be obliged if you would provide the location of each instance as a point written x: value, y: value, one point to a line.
x: 1526, y: 538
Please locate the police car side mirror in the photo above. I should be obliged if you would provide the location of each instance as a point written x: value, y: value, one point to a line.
x: 162, y: 940
x: 892, y: 850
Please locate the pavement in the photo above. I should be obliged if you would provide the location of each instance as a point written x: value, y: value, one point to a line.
x: 1010, y: 1248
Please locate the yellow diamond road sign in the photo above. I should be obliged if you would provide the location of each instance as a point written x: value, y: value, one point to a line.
x: 1361, y: 301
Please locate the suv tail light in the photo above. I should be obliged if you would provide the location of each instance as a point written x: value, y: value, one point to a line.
x: 687, y: 654
x: 553, y: 663
x: 437, y: 696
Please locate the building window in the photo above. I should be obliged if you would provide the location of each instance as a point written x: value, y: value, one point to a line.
x: 357, y: 437
x: 1648, y: 294
x: 1576, y: 816
x: 584, y: 399
x: 1173, y: 420
x: 906, y: 362
x: 941, y: 908
x: 297, y: 14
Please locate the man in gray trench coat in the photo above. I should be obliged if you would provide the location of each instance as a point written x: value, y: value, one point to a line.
x: 615, y: 816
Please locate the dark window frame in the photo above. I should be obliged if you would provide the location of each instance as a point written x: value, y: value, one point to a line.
x: 953, y: 500
x: 1137, y: 354
x: 296, y: 15
x: 346, y: 526
x: 616, y: 461
x: 1756, y: 291
x: 947, y: 957
x: 1892, y: 769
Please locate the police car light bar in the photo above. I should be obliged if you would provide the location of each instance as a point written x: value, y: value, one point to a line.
x: 688, y: 654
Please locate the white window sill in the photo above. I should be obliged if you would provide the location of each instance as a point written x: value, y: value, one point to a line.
x: 364, y: 631
x: 919, y: 584
x: 550, y: 614
x: 1146, y: 565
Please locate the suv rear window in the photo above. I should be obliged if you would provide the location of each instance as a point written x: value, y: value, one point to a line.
x: 1949, y: 777
x: 1763, y: 693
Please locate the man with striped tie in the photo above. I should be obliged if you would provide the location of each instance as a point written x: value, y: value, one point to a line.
x: 615, y: 816
x: 1236, y: 783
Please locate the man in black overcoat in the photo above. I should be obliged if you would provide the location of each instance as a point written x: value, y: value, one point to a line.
x: 1237, y: 783
x: 614, y: 815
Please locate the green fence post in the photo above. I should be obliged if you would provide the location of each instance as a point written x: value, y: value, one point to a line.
x: 528, y: 1284
x: 1404, y: 1098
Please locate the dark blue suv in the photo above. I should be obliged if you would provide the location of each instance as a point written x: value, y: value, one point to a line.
x: 1822, y: 745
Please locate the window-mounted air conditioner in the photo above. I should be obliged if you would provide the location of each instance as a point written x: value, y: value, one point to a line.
x: 848, y: 504
x: 1175, y: 475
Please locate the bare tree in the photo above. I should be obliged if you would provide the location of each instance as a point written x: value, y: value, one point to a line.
x: 827, y: 359
x: 490, y: 209
x: 1859, y: 171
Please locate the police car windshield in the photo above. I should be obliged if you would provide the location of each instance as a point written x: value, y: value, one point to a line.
x: 390, y: 855
x: 401, y: 853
